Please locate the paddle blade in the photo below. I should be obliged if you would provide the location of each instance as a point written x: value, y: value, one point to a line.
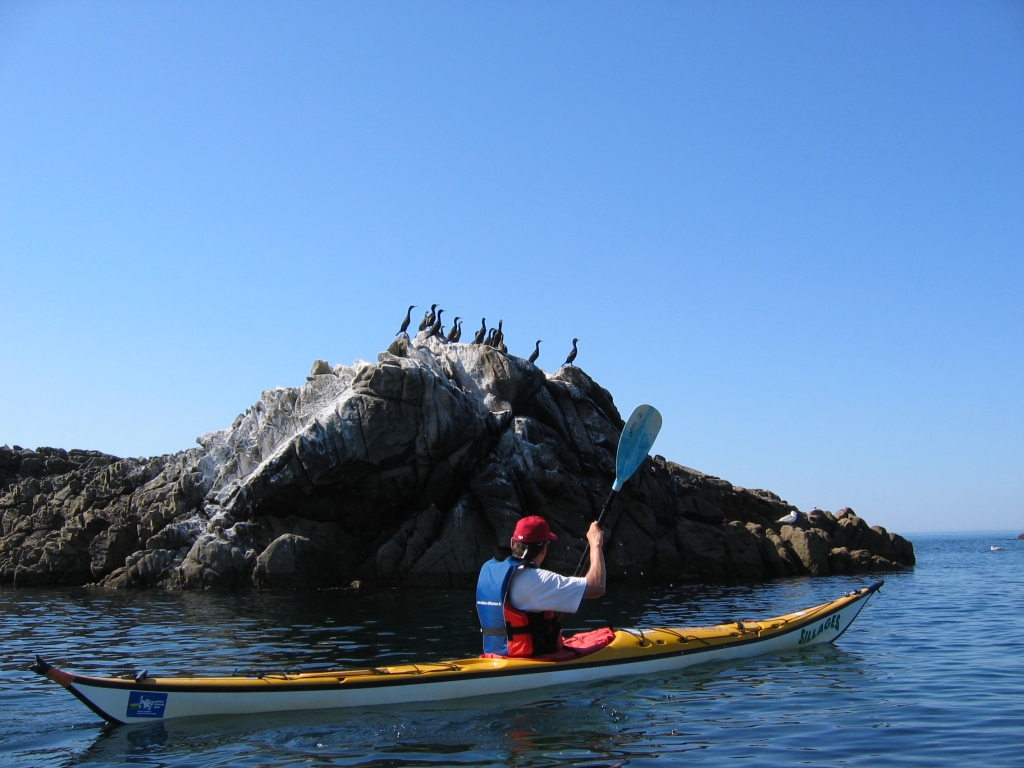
x: 637, y: 438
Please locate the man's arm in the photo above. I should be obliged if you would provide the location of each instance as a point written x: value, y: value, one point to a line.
x: 596, y: 574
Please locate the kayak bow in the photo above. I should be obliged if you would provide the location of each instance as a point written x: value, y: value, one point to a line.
x: 631, y: 652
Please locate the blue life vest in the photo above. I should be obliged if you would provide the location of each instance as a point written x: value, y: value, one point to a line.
x: 506, y: 630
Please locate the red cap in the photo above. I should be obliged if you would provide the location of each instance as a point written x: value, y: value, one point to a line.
x: 533, y: 530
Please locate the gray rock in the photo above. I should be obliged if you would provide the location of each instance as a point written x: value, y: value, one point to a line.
x: 292, y: 562
x: 776, y: 563
x: 17, y: 464
x: 223, y: 559
x: 879, y: 563
x: 839, y: 561
x: 744, y: 552
x: 321, y: 368
x: 145, y: 568
x: 812, y: 548
x: 862, y: 558
x: 409, y: 472
x: 703, y: 550
x: 110, y: 549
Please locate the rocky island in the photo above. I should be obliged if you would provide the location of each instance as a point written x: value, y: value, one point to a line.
x: 407, y: 472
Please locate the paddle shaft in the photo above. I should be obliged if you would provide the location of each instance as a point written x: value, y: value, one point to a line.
x: 637, y: 437
x: 600, y: 519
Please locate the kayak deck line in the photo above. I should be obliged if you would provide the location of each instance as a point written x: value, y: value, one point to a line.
x: 647, y: 650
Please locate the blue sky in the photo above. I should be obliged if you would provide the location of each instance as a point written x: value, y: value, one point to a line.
x: 797, y: 229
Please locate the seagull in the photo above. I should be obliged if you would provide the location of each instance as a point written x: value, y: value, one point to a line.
x: 789, y: 519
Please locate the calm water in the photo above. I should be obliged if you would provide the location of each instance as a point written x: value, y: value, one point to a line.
x: 931, y: 674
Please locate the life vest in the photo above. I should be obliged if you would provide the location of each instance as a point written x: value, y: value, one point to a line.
x: 508, y: 631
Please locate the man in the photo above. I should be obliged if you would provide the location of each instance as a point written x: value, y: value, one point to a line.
x: 519, y: 602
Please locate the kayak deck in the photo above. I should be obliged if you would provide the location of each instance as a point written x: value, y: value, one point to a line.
x: 632, y: 651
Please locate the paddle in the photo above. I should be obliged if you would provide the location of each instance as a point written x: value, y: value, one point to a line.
x: 637, y: 438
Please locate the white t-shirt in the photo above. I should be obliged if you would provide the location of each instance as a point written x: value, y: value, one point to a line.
x: 534, y: 589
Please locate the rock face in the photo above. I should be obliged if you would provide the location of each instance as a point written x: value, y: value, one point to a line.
x: 408, y: 472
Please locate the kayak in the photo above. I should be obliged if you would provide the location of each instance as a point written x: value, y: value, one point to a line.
x: 630, y: 652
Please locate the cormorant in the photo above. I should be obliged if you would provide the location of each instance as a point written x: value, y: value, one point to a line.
x: 455, y: 333
x: 572, y: 355
x: 536, y: 352
x: 479, y: 338
x: 491, y: 336
x: 500, y: 337
x: 436, y: 327
x: 428, y: 318
x: 408, y: 319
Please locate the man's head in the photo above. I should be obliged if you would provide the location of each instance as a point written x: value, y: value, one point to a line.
x: 530, y: 538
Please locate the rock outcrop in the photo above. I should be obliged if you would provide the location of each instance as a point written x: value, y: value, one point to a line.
x: 407, y: 472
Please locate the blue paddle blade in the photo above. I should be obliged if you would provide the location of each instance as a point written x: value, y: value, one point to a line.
x: 637, y: 438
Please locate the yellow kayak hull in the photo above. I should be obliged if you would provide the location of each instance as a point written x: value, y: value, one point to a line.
x: 632, y: 652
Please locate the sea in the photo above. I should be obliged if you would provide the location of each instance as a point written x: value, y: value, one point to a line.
x: 930, y: 674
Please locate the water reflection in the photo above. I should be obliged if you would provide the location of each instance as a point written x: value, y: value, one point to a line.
x: 478, y: 733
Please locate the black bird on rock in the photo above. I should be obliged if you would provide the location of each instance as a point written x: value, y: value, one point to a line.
x: 499, y: 337
x: 408, y: 319
x: 572, y: 355
x: 491, y: 336
x: 435, y: 329
x: 536, y: 352
x: 428, y: 318
x: 479, y: 338
x: 456, y: 332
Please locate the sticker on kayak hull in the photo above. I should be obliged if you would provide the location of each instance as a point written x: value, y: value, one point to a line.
x: 146, y: 704
x: 806, y: 635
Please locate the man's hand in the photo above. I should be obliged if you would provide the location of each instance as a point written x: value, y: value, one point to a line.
x: 595, y: 536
